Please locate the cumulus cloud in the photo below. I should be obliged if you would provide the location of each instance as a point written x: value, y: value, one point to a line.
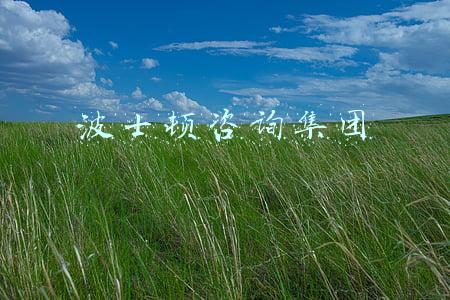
x: 155, y: 104
x: 212, y: 44
x: 35, y: 51
x: 256, y: 101
x: 137, y: 93
x: 145, y: 106
x: 174, y: 101
x: 179, y: 102
x: 113, y: 44
x: 38, y: 58
x: 149, y: 63
x: 107, y: 106
x: 88, y: 95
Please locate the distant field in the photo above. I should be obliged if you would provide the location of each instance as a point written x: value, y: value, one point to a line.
x: 248, y: 218
x: 443, y: 118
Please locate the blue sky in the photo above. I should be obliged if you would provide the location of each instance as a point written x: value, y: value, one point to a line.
x: 59, y: 59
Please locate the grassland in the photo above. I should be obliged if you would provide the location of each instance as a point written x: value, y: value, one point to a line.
x: 248, y: 218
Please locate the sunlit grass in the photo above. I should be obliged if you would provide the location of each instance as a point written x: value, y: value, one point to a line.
x: 247, y: 218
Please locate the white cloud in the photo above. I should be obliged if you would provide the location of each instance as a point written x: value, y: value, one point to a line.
x: 107, y: 106
x: 155, y: 104
x: 46, y: 109
x: 51, y: 107
x: 411, y: 75
x: 155, y: 79
x: 424, y: 11
x: 179, y: 102
x: 279, y: 29
x: 127, y: 61
x: 98, y: 51
x: 37, y: 57
x: 256, y: 101
x: 87, y: 90
x: 35, y: 52
x: 88, y: 95
x: 213, y: 44
x: 137, y: 93
x: 149, y: 63
x: 331, y: 53
x: 141, y: 107
x: 113, y: 45
x: 416, y: 37
x: 106, y: 81
x: 383, y: 92
x: 276, y: 29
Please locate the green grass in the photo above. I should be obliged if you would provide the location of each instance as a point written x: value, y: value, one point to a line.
x: 244, y: 219
x: 442, y: 118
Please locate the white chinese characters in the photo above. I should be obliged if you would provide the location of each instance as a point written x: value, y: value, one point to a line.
x: 182, y: 126
x: 95, y: 128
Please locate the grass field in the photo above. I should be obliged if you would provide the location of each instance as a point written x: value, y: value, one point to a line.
x: 244, y: 219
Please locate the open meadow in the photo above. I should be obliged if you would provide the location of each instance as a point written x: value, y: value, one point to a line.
x: 252, y: 218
